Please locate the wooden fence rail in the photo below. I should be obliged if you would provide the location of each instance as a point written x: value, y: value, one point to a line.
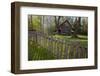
x: 59, y: 48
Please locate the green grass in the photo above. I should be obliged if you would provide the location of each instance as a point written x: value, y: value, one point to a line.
x: 81, y: 38
x: 36, y: 52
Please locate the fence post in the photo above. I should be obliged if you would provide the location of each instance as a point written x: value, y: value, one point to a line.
x: 63, y: 49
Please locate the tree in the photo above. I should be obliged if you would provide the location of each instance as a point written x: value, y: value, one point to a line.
x: 30, y: 27
x: 84, y: 26
x: 76, y: 27
x: 57, y: 21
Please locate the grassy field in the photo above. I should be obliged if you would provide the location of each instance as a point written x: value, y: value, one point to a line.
x: 81, y: 38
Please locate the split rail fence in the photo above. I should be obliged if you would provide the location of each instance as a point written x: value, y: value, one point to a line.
x: 59, y: 48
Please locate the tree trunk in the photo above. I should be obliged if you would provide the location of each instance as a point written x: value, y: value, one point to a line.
x: 76, y: 28
x: 74, y: 34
